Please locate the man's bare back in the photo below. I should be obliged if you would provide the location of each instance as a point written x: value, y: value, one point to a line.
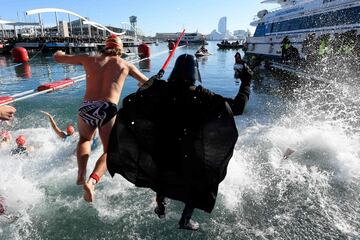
x: 105, y: 77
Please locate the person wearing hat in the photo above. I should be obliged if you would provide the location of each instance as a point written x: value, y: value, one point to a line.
x: 5, y: 138
x: 105, y: 77
x: 62, y: 134
x: 21, y: 149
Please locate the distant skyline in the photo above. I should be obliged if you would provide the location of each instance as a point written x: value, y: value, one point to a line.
x: 153, y: 16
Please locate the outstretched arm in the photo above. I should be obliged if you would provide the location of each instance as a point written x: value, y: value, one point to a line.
x: 54, y: 126
x: 238, y: 104
x: 61, y: 57
x: 135, y: 73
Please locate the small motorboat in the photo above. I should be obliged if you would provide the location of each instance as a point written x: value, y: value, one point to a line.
x: 202, y: 54
x: 228, y: 45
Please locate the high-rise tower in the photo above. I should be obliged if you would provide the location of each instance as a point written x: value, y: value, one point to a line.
x: 222, y: 25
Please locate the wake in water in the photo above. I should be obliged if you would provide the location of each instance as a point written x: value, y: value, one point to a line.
x: 314, y: 194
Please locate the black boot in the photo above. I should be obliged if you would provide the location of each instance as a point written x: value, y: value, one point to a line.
x: 185, y: 220
x: 160, y: 208
x: 188, y: 224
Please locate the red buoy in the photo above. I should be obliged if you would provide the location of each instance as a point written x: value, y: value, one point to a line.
x: 144, y: 50
x: 23, y: 71
x: 56, y: 85
x: 171, y: 45
x: 20, y: 55
x: 5, y: 99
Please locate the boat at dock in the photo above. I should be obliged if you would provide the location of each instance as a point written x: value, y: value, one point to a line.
x: 229, y: 45
x: 193, y: 38
x: 296, y: 21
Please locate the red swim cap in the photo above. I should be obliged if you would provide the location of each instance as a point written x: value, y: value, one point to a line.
x: 70, y: 130
x: 113, y: 41
x: 20, y: 140
x: 5, y: 135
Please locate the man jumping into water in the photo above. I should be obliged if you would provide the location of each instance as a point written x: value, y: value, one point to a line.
x: 105, y: 77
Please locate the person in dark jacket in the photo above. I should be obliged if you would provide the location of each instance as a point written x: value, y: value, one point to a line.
x: 183, y: 79
x: 175, y: 138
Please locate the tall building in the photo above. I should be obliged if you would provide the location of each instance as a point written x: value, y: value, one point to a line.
x: 222, y: 25
x: 240, y: 34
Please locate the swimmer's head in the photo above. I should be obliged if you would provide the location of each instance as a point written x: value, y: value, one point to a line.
x: 113, y: 46
x: 4, y: 136
x: 21, y: 140
x: 70, y: 130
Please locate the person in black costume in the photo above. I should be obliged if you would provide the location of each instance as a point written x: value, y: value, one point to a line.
x: 183, y: 78
x: 177, y: 138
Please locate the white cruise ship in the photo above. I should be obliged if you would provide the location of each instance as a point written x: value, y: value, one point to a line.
x: 296, y: 19
x: 193, y: 38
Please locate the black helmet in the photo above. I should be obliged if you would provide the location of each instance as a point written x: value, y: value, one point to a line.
x: 186, y: 71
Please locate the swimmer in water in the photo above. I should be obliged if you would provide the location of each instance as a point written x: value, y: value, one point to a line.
x: 5, y: 138
x: 62, y: 134
x: 21, y: 149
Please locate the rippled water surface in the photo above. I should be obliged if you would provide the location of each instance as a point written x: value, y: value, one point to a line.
x: 314, y: 194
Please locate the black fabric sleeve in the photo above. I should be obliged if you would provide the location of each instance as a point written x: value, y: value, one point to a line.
x: 238, y: 104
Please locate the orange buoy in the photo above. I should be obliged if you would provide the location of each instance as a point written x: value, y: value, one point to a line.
x: 56, y: 85
x: 20, y: 55
x: 144, y: 50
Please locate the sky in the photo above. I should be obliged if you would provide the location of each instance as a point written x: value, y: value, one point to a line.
x: 152, y: 15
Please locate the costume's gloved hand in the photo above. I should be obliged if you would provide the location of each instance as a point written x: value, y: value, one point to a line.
x: 149, y: 82
x: 246, y: 74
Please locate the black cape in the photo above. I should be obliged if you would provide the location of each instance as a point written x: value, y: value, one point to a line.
x: 178, y: 143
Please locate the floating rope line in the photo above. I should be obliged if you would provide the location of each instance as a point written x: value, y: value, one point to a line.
x: 68, y: 82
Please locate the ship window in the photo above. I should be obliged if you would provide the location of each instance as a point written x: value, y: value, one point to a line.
x: 268, y: 28
x: 276, y: 27
x: 340, y: 17
x: 260, y: 30
x: 284, y: 26
x: 294, y: 24
x: 272, y: 27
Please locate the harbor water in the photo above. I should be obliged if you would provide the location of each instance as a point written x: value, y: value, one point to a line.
x: 313, y: 194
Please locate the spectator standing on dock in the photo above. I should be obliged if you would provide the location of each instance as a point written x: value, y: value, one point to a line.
x: 105, y: 77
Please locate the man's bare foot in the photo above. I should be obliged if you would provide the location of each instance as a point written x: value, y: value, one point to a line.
x: 80, y: 179
x: 89, y: 188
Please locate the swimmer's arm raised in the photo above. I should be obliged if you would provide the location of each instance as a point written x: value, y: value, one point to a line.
x: 54, y: 125
x: 135, y: 73
x: 61, y: 57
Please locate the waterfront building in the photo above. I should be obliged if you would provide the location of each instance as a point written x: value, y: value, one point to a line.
x: 167, y: 36
x: 222, y: 25
x: 240, y: 34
